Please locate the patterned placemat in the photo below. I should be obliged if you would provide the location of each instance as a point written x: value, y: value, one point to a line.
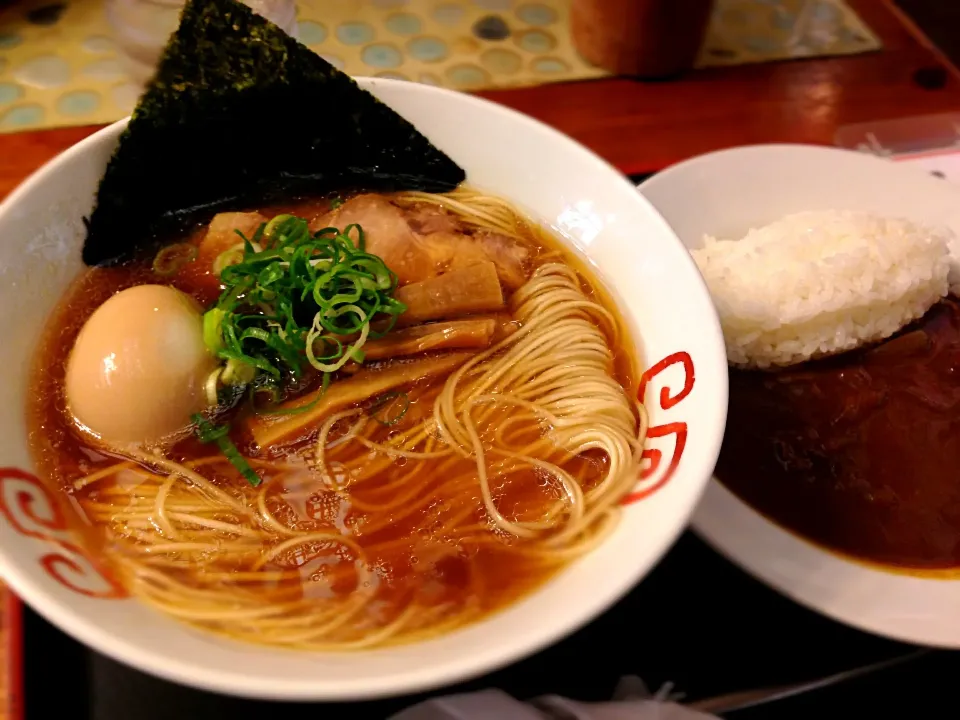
x: 59, y: 66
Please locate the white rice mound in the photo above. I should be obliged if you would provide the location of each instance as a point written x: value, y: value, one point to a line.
x: 819, y: 283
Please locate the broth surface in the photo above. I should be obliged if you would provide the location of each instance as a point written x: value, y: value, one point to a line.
x: 860, y: 452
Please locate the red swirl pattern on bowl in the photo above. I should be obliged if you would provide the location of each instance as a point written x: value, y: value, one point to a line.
x: 655, y: 474
x: 31, y: 509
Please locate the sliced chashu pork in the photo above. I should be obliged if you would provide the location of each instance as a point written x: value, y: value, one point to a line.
x: 424, y: 242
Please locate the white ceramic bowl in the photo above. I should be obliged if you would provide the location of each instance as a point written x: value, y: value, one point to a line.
x: 725, y: 194
x: 590, y: 204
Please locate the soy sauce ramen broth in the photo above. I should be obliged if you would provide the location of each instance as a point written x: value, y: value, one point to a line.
x: 406, y: 551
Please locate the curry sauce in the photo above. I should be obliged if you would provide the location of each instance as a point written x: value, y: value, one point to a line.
x: 860, y: 452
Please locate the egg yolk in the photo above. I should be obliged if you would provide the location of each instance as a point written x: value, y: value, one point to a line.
x: 138, y: 366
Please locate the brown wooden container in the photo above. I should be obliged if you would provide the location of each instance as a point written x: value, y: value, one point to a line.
x: 643, y: 38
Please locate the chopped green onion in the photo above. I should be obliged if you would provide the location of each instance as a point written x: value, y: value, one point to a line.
x: 207, y: 432
x: 173, y: 257
x: 293, y: 298
x: 238, y: 372
x: 276, y: 225
x: 212, y: 336
x: 379, y: 411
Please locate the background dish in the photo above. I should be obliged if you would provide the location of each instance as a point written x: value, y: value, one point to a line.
x: 747, y: 187
x: 546, y: 175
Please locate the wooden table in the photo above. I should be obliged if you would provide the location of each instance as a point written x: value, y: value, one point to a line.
x: 642, y: 127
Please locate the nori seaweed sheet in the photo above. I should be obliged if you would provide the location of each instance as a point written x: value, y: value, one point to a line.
x: 238, y: 114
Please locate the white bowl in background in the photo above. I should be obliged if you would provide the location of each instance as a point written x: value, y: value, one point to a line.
x: 724, y: 194
x: 591, y: 205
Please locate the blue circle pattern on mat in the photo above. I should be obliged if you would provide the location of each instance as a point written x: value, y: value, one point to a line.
x: 536, y: 14
x: 493, y: 4
x: 105, y: 69
x: 466, y: 75
x: 22, y: 116
x: 9, y: 92
x: 354, y: 33
x: 500, y: 61
x: 9, y: 40
x: 381, y: 55
x: 45, y: 71
x: 549, y: 66
x: 311, y: 33
x: 448, y: 14
x: 427, y: 49
x: 78, y: 102
x: 403, y: 24
x: 536, y: 41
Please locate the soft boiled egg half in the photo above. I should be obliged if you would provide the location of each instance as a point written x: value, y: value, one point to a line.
x: 137, y: 369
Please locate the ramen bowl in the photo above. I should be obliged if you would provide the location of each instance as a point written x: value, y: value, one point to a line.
x: 591, y: 207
